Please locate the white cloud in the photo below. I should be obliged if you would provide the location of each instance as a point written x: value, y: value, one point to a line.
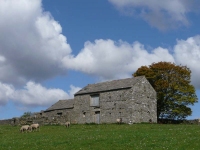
x: 187, y: 52
x: 160, y: 14
x: 6, y: 92
x: 108, y: 59
x: 73, y: 90
x: 31, y: 42
x: 2, y: 59
x: 34, y: 94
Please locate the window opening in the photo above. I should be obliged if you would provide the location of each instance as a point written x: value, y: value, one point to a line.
x: 60, y: 113
x: 94, y: 101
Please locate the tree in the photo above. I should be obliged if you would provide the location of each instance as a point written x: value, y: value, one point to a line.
x: 174, y: 90
x: 26, y: 114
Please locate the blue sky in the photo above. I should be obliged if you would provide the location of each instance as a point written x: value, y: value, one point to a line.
x: 51, y: 49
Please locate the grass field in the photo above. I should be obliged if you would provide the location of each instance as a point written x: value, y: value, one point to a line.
x: 103, y: 137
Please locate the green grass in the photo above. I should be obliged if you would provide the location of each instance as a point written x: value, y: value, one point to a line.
x: 103, y: 137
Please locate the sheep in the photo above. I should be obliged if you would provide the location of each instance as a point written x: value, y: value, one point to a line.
x: 24, y: 128
x: 119, y: 121
x: 130, y: 122
x: 67, y: 124
x: 35, y: 126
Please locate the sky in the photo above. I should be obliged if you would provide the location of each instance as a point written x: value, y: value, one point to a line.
x: 51, y: 49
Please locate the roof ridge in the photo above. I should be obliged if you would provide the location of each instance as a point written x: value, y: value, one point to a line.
x: 109, y: 85
x: 61, y: 104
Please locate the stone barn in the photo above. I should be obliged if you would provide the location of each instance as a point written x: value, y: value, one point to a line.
x: 132, y: 100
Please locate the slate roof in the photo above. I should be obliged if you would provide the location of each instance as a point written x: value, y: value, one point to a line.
x: 62, y: 104
x: 109, y: 85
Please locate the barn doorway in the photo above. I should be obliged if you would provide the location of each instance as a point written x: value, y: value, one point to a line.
x: 97, y: 117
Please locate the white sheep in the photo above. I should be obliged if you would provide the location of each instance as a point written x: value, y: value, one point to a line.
x: 24, y: 128
x: 67, y: 124
x: 119, y: 121
x: 130, y: 122
x: 35, y: 126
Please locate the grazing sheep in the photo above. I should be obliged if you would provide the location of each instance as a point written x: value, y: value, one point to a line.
x: 199, y: 121
x: 24, y: 128
x: 130, y: 122
x: 119, y: 121
x: 35, y: 126
x: 67, y: 124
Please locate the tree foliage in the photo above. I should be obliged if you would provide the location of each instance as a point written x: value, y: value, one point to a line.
x: 26, y: 114
x: 174, y: 90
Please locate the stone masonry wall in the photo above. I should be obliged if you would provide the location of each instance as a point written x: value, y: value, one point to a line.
x: 142, y: 103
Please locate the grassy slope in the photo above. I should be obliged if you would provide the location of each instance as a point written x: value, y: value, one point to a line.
x: 103, y: 137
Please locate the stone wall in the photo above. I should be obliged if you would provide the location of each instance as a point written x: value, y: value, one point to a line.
x: 142, y: 102
x: 5, y: 121
x: 61, y: 120
x: 55, y: 120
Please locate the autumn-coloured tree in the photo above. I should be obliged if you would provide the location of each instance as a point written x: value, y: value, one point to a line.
x: 174, y: 90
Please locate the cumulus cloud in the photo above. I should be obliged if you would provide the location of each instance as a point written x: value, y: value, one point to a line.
x: 34, y: 94
x: 109, y: 59
x: 6, y: 91
x: 31, y: 42
x: 187, y: 52
x: 73, y: 90
x: 160, y: 14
